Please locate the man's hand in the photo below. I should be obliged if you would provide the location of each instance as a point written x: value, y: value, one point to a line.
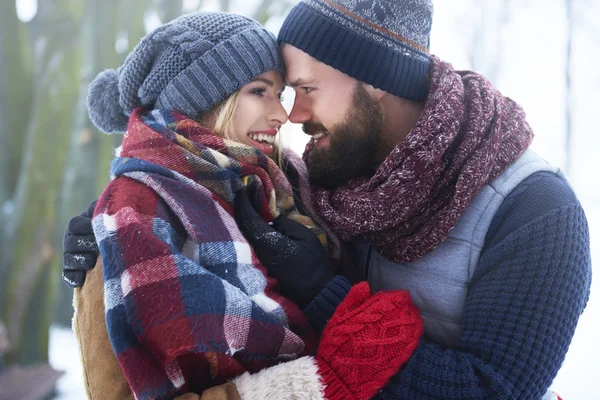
x: 80, y: 250
x: 289, y: 250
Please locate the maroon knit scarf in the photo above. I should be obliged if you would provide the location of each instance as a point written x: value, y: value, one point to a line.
x: 467, y: 135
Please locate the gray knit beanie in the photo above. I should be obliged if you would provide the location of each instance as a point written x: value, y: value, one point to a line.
x: 188, y: 65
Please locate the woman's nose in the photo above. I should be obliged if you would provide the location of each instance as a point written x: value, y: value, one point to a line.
x: 279, y: 114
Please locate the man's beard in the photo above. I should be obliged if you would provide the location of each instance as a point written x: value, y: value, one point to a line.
x: 352, y: 143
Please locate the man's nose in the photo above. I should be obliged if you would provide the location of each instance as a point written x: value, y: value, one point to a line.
x: 300, y: 113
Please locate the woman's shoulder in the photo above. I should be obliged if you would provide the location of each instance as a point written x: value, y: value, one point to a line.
x: 124, y: 192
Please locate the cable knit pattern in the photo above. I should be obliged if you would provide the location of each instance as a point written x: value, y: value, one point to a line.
x: 366, y: 341
x: 188, y: 65
x: 530, y: 287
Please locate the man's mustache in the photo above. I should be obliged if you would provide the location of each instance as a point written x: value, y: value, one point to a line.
x: 311, y: 128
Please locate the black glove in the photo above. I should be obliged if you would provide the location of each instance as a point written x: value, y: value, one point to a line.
x: 80, y: 250
x: 290, y: 252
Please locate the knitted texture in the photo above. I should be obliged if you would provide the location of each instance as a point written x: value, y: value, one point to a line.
x: 467, y: 135
x: 366, y: 342
x: 324, y: 305
x: 188, y: 65
x: 188, y: 303
x: 384, y: 43
x: 530, y: 287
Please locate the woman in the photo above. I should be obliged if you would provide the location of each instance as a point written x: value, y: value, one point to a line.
x: 188, y: 303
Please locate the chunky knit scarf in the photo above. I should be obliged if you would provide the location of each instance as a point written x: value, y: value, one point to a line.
x: 188, y: 303
x: 467, y: 134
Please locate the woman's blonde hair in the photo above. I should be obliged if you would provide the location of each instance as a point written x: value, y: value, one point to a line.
x: 223, y: 116
x: 222, y: 123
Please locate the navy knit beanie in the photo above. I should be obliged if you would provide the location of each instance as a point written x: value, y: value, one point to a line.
x: 384, y: 43
x: 188, y: 65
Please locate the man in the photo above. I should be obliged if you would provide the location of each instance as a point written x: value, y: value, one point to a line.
x: 425, y: 173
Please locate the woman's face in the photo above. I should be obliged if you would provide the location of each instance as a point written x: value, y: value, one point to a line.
x: 259, y: 112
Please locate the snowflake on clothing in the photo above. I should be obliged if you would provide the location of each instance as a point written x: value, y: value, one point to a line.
x: 379, y: 9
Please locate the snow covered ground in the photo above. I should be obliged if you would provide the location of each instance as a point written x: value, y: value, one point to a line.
x: 522, y: 48
x: 64, y: 356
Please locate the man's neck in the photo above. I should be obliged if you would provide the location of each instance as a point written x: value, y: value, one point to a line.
x: 400, y: 117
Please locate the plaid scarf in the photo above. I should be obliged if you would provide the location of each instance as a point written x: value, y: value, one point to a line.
x: 467, y: 135
x: 188, y: 303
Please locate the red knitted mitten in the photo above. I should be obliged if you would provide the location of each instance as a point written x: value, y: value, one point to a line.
x: 366, y: 342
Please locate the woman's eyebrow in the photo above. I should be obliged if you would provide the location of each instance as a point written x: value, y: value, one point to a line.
x: 264, y: 80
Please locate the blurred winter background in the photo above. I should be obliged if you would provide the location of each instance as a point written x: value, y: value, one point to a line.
x: 542, y: 53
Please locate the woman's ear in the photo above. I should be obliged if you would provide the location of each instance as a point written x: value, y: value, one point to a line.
x: 376, y: 94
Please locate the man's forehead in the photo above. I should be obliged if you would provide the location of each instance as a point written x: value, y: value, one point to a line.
x: 295, y: 58
x: 301, y: 67
x: 292, y: 52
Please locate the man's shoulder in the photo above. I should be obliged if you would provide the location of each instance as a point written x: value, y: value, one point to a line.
x: 539, y: 194
x: 536, y: 196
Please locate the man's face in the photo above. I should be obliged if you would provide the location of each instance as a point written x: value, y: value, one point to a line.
x: 344, y: 121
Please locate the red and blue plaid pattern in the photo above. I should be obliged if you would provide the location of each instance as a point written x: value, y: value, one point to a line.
x: 188, y: 303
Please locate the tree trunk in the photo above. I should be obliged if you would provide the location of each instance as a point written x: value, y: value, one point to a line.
x: 15, y: 95
x: 91, y: 151
x: 570, y: 16
x: 15, y: 111
x: 52, y: 160
x: 30, y: 290
x: 262, y: 13
x: 488, y: 44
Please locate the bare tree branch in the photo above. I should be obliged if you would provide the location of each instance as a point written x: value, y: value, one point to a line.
x: 570, y: 16
x: 488, y: 45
